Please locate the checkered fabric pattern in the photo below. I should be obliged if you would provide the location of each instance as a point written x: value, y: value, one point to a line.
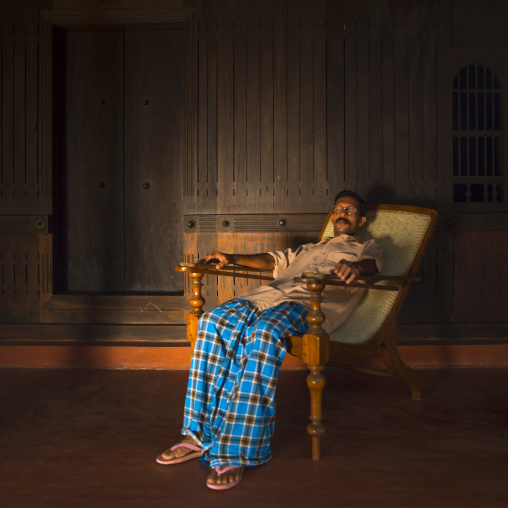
x: 230, y: 403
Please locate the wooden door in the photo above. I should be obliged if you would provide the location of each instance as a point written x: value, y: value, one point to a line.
x: 124, y: 97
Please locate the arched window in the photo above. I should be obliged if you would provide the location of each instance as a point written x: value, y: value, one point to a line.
x: 478, y: 136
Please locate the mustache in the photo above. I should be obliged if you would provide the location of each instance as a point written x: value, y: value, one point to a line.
x: 343, y: 219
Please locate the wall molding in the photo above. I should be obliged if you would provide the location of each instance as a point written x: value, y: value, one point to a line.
x: 241, y: 223
x: 36, y: 224
x: 280, y: 222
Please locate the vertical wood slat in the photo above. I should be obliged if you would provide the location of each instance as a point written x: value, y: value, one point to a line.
x: 45, y: 267
x: 388, y: 99
x: 242, y: 65
x: 361, y: 180
x: 192, y: 38
x: 280, y: 100
x: 7, y: 119
x: 290, y: 200
x: 320, y: 194
x: 45, y: 126
x: 31, y: 163
x: 335, y: 81
x: 401, y: 106
x: 267, y: 168
x: 19, y: 192
x: 375, y: 91
x: 207, y: 107
x: 306, y: 168
x: 445, y: 15
x: 414, y: 169
x: 18, y: 106
x: 225, y: 110
x: 253, y: 190
x: 18, y: 121
x: 350, y: 99
x: 429, y: 110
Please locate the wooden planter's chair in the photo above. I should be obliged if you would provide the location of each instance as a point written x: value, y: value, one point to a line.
x: 404, y: 232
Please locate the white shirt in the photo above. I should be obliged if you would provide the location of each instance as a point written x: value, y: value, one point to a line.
x: 338, y: 301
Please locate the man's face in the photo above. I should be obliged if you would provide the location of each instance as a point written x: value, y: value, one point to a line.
x: 343, y: 222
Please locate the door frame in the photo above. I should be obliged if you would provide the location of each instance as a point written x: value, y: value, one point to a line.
x: 50, y: 22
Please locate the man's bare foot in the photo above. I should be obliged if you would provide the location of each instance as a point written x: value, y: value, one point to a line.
x: 224, y: 477
x: 186, y: 449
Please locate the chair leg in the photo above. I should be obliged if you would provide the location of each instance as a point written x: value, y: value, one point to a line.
x: 316, y: 382
x: 394, y: 363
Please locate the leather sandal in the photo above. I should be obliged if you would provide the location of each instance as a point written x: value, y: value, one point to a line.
x: 194, y: 453
x: 225, y: 486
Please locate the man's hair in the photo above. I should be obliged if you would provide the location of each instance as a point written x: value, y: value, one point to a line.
x: 361, y: 201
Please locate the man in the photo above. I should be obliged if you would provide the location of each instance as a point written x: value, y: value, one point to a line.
x: 229, y: 412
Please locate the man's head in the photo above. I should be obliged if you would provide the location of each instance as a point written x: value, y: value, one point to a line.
x: 348, y: 213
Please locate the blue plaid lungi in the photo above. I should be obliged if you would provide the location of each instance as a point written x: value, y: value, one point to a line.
x: 230, y: 403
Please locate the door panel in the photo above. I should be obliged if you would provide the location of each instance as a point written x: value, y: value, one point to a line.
x: 125, y: 136
x: 154, y: 130
x: 94, y: 146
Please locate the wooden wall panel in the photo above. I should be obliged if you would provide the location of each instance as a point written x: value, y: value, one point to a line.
x: 390, y: 73
x: 259, y: 119
x: 18, y: 106
x: 385, y: 82
x: 480, y: 272
x: 294, y: 100
x: 480, y: 25
x: 19, y: 273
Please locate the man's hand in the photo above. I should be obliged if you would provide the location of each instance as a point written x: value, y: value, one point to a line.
x: 350, y: 270
x: 223, y: 259
x: 346, y: 270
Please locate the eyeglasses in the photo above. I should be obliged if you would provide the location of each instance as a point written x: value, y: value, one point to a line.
x: 348, y: 211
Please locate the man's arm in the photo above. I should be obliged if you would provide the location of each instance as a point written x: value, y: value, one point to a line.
x: 349, y: 270
x: 263, y: 260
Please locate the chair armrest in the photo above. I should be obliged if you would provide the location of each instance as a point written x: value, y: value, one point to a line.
x: 242, y: 272
x: 370, y: 280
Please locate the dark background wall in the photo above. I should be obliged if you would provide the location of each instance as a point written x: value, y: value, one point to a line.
x: 137, y: 134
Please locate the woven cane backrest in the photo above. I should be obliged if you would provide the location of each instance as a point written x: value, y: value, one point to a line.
x: 401, y: 232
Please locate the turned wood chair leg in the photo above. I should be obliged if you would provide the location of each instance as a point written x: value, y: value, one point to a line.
x: 316, y: 355
x: 316, y: 382
x: 197, y: 301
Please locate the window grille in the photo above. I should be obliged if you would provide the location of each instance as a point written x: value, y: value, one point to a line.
x: 478, y: 136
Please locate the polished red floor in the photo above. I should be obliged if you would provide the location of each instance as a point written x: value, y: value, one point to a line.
x: 88, y: 438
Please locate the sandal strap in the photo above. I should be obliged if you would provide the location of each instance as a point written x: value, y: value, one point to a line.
x: 226, y: 469
x: 190, y: 446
